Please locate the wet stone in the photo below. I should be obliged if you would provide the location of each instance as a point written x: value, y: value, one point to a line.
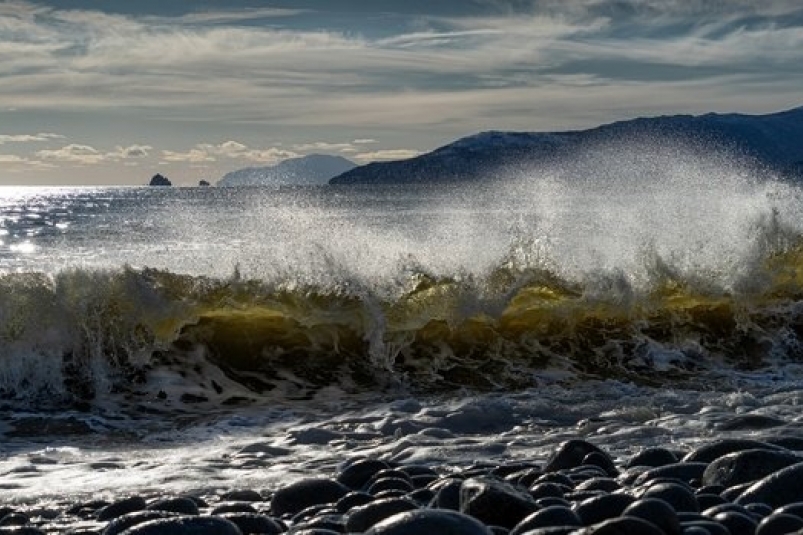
x: 182, y: 505
x: 121, y: 507
x: 655, y: 511
x: 684, y: 471
x: 737, y: 522
x: 186, y: 525
x: 495, y: 502
x: 713, y: 451
x: 254, y: 523
x: 780, y: 488
x: 779, y: 524
x: 570, y: 454
x: 678, y: 496
x: 363, y: 517
x: 555, y: 515
x: 122, y: 523
x: 298, y: 496
x: 654, y: 457
x: 746, y: 466
x: 601, y: 508
x: 429, y: 521
x: 356, y: 475
x: 623, y: 525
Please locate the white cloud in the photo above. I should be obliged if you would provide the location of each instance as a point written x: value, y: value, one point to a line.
x: 233, y: 150
x: 323, y: 146
x: 28, y: 138
x: 242, y: 15
x: 387, y: 155
x: 75, y: 153
x: 87, y: 155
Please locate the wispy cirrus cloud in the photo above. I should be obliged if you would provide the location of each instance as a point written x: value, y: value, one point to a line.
x: 28, y: 138
x: 386, y: 155
x: 77, y: 153
x: 232, y: 150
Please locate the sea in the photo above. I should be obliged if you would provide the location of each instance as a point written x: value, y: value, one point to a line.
x: 181, y: 339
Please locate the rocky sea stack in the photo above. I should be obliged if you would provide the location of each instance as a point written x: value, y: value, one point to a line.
x: 159, y: 180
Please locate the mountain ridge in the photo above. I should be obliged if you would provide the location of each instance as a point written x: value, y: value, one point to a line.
x: 774, y: 140
x: 305, y: 170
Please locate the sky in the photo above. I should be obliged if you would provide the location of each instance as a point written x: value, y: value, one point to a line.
x: 114, y: 91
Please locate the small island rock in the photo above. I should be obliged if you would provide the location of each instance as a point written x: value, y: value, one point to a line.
x: 159, y: 180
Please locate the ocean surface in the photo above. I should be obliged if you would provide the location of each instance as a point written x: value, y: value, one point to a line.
x: 202, y: 338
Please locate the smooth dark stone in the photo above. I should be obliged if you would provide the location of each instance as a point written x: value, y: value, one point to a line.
x: 709, y: 489
x: 715, y: 450
x: 312, y: 531
x: 623, y: 525
x: 422, y: 496
x: 353, y: 499
x: 121, y: 507
x: 745, y: 422
x: 244, y: 495
x: 790, y: 443
x: 706, y: 501
x: 746, y: 466
x: 599, y: 483
x: 430, y: 521
x: 21, y: 530
x: 499, y: 530
x: 447, y: 493
x: 721, y: 508
x: 390, y: 483
x: 735, y: 491
x: 547, y: 490
x: 305, y: 493
x: 655, y: 511
x: 504, y: 470
x: 182, y: 505
x: 601, y: 508
x: 684, y: 471
x: 495, y: 502
x: 579, y: 496
x: 390, y: 472
x: 552, y: 500
x: 556, y: 477
x: 332, y: 522
x: 550, y: 516
x: 391, y: 493
x: 233, y: 507
x: 654, y: 457
x: 414, y: 470
x: 311, y: 511
x: 794, y: 508
x: 122, y: 523
x: 185, y: 525
x: 737, y: 522
x: 15, y: 519
x: 362, y: 517
x: 254, y: 523
x: 421, y: 481
x: 358, y: 473
x: 554, y: 530
x: 601, y: 460
x: 779, y: 524
x: 783, y: 487
x: 570, y: 454
x: 678, y: 496
x: 711, y: 527
x: 758, y: 510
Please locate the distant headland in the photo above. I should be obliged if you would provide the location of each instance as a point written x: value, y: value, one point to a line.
x: 773, y: 141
